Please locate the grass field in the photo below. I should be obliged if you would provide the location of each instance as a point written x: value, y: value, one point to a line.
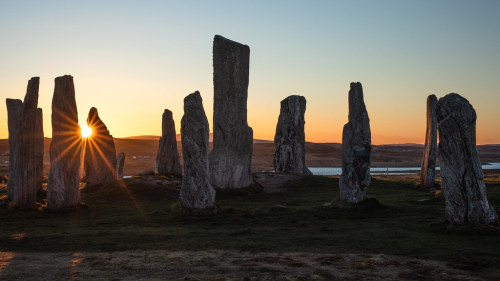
x: 136, y: 215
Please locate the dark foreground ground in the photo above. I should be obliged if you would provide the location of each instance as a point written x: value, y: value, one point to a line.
x: 128, y: 231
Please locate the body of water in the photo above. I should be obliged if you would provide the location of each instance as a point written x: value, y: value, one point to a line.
x: 394, y: 171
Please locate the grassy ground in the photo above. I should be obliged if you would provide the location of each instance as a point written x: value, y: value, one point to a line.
x: 132, y: 215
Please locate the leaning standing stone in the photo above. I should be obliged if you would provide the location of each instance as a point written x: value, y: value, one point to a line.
x: 100, y: 152
x: 231, y: 157
x: 428, y: 168
x: 63, y: 189
x: 196, y: 191
x: 290, y: 153
x: 461, y: 172
x: 167, y: 159
x: 356, y: 149
x: 120, y: 163
x: 26, y: 147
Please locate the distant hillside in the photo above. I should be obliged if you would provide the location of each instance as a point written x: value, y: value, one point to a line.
x: 144, y: 137
x: 178, y: 137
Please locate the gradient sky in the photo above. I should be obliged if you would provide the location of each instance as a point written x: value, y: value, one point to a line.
x: 132, y: 59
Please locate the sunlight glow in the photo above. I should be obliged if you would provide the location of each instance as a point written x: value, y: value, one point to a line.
x: 86, y: 131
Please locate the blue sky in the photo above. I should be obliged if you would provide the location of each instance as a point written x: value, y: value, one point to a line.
x: 132, y: 59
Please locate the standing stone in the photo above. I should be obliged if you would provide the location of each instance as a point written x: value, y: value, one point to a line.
x: 39, y: 149
x: 196, y: 191
x: 25, y: 136
x: 100, y: 153
x: 461, y: 172
x: 63, y: 189
x: 290, y: 153
x: 428, y: 168
x: 231, y: 157
x: 167, y: 159
x: 356, y: 149
x: 14, y: 115
x: 120, y: 163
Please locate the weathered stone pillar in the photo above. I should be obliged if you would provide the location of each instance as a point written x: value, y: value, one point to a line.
x: 196, y: 191
x: 356, y: 149
x: 120, y: 163
x: 461, y: 172
x: 167, y: 159
x: 290, y: 153
x: 428, y: 168
x: 26, y: 147
x: 63, y: 189
x: 100, y: 153
x: 231, y: 157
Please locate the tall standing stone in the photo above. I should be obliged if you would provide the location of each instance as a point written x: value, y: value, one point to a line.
x: 231, y: 157
x: 290, y: 153
x: 39, y: 148
x: 14, y: 115
x: 356, y: 149
x: 100, y: 152
x: 428, y: 168
x: 167, y: 159
x: 461, y: 172
x: 63, y: 189
x: 196, y: 191
x: 120, y: 163
x: 26, y: 147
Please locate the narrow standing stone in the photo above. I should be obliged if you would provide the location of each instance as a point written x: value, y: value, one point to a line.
x: 167, y: 159
x: 63, y: 189
x: 356, y: 149
x: 39, y: 149
x: 428, y: 169
x: 15, y: 113
x: 100, y: 152
x: 290, y: 153
x: 120, y: 163
x: 461, y: 172
x: 196, y: 191
x: 25, y: 136
x: 231, y: 157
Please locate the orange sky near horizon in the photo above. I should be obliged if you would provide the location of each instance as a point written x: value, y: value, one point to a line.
x: 132, y: 60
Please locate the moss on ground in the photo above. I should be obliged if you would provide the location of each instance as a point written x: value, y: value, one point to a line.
x: 127, y: 215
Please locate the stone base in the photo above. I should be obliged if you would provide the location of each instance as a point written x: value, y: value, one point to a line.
x: 177, y: 209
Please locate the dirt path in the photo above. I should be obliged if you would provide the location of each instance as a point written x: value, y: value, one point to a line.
x: 219, y: 265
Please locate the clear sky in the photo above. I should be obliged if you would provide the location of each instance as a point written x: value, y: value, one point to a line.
x: 132, y: 59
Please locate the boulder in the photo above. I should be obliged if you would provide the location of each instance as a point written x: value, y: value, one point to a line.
x: 196, y: 191
x: 461, y: 172
x: 167, y: 159
x: 290, y: 153
x: 25, y: 147
x: 120, y: 163
x: 356, y: 149
x: 63, y: 188
x: 100, y: 153
x: 231, y: 157
x: 428, y: 168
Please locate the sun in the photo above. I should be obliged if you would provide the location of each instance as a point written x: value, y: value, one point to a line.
x: 86, y: 131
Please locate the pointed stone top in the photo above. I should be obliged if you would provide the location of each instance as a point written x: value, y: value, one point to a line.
x: 356, y: 100
x: 356, y: 86
x: 95, y: 122
x: 456, y: 107
x: 220, y: 40
x: 192, y: 101
x: 167, y: 114
x: 93, y: 115
x: 31, y: 97
x: 64, y: 77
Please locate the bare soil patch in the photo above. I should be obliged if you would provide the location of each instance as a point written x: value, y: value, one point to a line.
x: 219, y: 265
